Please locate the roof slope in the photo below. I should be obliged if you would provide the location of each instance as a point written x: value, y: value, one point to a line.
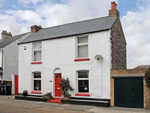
x: 7, y: 41
x: 142, y: 67
x: 76, y: 28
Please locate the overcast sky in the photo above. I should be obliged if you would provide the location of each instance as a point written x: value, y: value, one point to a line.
x: 17, y: 16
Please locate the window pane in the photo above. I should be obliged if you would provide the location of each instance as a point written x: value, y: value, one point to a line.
x: 83, y: 74
x: 37, y: 45
x: 37, y: 75
x: 82, y: 40
x: 83, y: 85
x: 82, y: 51
x: 37, y: 55
x: 37, y: 85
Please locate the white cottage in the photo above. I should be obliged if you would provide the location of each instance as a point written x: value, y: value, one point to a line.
x: 84, y: 51
x: 9, y: 51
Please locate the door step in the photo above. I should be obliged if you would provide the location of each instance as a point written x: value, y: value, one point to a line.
x: 87, y: 101
x: 55, y: 100
x: 31, y: 98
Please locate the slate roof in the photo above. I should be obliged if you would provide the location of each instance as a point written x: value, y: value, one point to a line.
x: 142, y: 67
x: 76, y: 28
x: 7, y: 41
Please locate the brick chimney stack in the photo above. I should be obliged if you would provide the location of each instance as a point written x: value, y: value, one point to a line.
x: 5, y: 34
x: 35, y: 28
x: 114, y: 12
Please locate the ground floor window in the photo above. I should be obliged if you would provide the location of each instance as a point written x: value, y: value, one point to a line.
x: 37, y: 81
x: 83, y: 81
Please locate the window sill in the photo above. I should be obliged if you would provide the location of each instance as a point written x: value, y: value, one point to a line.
x: 82, y: 94
x: 36, y: 92
x: 36, y: 62
x: 82, y: 59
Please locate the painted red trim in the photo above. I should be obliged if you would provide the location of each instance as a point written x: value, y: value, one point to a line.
x: 16, y: 84
x: 36, y: 92
x: 82, y: 94
x: 82, y: 59
x: 36, y: 62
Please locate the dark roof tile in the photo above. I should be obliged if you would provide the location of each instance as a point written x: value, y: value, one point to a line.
x: 7, y: 41
x: 76, y: 28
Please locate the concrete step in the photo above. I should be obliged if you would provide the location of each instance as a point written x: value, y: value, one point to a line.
x: 31, y: 98
x: 87, y: 101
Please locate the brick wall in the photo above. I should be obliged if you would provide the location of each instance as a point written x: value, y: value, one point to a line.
x: 146, y: 96
x: 118, y: 46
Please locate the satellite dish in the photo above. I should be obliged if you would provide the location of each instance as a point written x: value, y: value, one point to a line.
x: 98, y: 57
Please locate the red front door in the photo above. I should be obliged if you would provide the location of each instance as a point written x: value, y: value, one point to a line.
x: 57, y: 86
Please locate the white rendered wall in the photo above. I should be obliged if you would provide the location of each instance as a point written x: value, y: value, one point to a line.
x: 60, y: 53
x: 13, y: 84
x: 0, y: 62
x: 10, y: 59
x: 0, y: 58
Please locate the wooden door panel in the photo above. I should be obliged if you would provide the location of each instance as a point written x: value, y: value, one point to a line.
x: 57, y: 86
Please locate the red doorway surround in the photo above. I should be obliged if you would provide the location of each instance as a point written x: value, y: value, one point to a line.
x: 16, y: 84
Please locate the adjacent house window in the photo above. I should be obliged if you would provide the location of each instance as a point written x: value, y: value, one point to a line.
x: 82, y: 47
x: 37, y: 81
x: 37, y: 51
x: 83, y: 81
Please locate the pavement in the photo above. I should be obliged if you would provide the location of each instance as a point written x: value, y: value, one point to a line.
x: 9, y: 100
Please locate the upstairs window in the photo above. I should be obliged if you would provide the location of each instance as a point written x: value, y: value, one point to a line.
x: 37, y: 51
x: 82, y: 47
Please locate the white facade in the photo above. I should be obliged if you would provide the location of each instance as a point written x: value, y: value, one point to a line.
x: 0, y: 63
x: 10, y: 59
x: 60, y: 54
x: 0, y: 58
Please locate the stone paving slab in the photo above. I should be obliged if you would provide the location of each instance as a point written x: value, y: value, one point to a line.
x: 8, y: 107
x: 45, y: 104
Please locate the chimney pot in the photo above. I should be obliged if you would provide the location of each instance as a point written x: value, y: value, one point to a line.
x: 114, y: 12
x: 113, y: 5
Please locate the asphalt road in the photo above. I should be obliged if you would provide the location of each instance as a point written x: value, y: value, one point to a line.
x: 7, y: 107
x: 10, y: 105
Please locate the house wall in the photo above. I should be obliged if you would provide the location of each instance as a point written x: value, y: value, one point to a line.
x: 60, y: 53
x: 0, y: 63
x: 129, y: 73
x: 0, y: 58
x: 118, y: 47
x: 10, y: 59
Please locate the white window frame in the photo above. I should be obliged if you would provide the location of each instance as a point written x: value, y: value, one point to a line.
x: 82, y: 79
x: 36, y: 50
x: 81, y: 44
x: 36, y: 79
